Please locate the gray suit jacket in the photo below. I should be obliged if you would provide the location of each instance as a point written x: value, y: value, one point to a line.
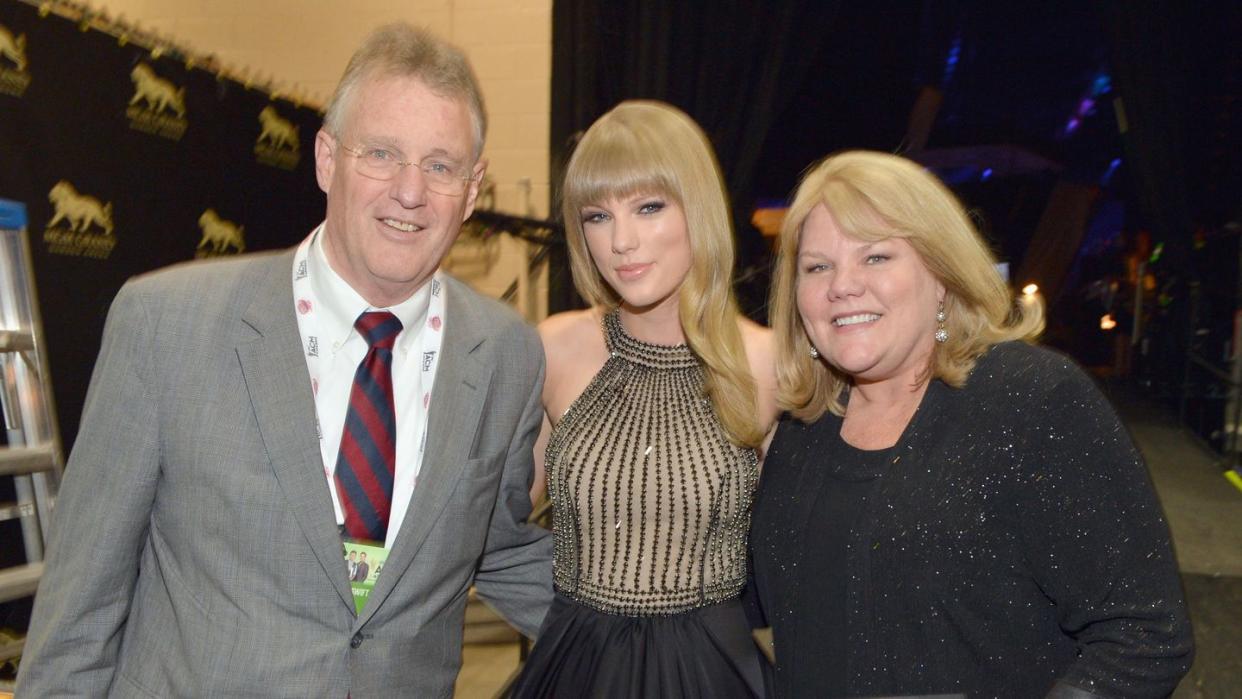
x: 195, y: 551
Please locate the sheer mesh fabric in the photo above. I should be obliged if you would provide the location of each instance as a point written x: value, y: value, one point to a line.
x: 651, y: 502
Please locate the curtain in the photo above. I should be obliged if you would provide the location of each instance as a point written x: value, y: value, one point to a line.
x: 731, y: 65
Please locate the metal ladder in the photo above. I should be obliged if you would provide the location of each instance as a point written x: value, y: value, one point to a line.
x: 33, y: 457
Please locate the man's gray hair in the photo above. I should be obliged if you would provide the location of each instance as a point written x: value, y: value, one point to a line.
x: 402, y: 50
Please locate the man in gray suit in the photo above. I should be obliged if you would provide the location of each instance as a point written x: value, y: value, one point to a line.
x: 197, y: 545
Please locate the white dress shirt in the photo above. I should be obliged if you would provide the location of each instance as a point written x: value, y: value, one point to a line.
x: 343, y: 350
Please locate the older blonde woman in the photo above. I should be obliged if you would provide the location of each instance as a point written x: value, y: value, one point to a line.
x: 948, y: 509
x: 657, y: 398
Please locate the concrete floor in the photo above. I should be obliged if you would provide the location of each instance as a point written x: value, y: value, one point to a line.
x: 1205, y: 515
x: 485, y: 669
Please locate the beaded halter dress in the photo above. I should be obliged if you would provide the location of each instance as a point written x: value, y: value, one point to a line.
x: 651, y: 501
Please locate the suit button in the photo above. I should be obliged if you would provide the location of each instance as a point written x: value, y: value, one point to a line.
x: 355, y: 641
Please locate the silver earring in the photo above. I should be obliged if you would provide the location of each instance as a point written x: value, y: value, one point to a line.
x: 814, y: 353
x: 942, y: 335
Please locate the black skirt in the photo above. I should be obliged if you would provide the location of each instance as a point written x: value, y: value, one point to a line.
x: 582, y: 652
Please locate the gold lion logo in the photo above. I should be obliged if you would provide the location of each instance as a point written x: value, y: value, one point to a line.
x: 78, y: 209
x: 156, y: 92
x: 13, y: 47
x: 219, y: 233
x: 277, y: 131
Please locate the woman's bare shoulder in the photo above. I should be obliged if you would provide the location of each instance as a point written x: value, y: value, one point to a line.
x: 760, y: 343
x: 563, y: 334
x: 573, y: 343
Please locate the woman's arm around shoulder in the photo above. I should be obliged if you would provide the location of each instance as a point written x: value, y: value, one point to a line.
x: 760, y: 343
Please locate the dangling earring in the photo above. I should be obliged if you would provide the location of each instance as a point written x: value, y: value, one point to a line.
x: 942, y: 335
x: 814, y: 352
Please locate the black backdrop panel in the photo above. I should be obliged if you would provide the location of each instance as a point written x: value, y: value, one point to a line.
x: 178, y: 162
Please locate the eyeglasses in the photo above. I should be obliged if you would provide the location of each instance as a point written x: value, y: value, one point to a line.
x: 442, y: 176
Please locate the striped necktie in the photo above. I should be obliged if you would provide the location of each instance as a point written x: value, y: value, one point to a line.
x: 367, y: 459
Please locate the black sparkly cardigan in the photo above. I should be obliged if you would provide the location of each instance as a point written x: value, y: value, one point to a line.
x: 1014, y: 545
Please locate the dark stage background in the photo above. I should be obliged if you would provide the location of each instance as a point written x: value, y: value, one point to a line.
x: 1033, y: 114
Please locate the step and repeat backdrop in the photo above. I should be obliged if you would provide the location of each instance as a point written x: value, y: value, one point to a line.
x: 129, y: 159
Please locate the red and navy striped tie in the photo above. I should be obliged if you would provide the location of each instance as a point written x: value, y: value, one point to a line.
x: 367, y: 459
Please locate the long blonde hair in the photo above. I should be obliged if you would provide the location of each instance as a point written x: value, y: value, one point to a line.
x: 873, y: 196
x: 646, y: 147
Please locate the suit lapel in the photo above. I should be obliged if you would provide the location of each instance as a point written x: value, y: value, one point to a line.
x: 460, y: 390
x: 280, y: 393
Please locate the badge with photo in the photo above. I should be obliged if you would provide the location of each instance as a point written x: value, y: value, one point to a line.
x: 363, y: 563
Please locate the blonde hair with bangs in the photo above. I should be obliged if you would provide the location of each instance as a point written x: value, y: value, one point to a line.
x: 647, y: 147
x: 872, y: 196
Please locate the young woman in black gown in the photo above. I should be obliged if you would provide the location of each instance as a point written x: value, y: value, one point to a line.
x: 657, y: 399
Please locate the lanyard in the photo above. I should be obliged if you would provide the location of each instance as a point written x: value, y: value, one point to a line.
x: 318, y: 362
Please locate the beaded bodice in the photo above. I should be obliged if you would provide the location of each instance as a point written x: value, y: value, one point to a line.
x: 651, y: 503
